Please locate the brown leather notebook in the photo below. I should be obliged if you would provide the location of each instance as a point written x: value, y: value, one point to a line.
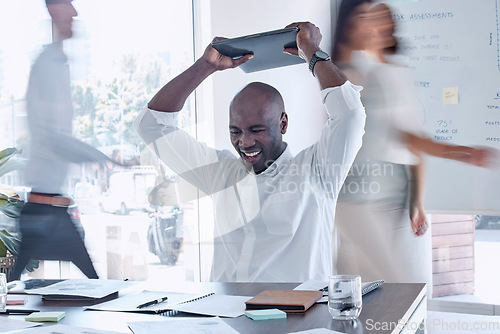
x: 285, y: 300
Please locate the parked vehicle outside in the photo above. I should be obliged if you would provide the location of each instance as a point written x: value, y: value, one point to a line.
x: 128, y: 190
x: 165, y: 234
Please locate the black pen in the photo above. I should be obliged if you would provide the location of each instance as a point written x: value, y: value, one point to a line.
x: 17, y: 311
x: 153, y: 302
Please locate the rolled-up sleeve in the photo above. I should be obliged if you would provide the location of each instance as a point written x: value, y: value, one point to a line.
x: 342, y: 134
x: 192, y: 160
x: 151, y: 124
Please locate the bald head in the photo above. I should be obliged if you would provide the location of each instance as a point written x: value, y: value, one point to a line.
x: 259, y: 92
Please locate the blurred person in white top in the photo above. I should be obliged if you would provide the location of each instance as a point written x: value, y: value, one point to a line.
x: 380, y: 218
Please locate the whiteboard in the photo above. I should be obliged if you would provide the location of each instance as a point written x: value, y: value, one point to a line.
x: 453, y: 50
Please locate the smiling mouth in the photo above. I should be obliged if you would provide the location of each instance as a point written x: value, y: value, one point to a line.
x: 251, y: 154
x: 251, y: 157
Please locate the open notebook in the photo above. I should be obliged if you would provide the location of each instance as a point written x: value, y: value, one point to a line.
x: 131, y: 302
x: 204, y: 304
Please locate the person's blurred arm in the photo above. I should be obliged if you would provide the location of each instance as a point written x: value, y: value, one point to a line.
x: 471, y: 155
x: 416, y: 202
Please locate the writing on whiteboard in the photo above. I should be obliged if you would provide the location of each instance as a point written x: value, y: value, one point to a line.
x: 422, y: 16
x: 424, y: 84
x: 443, y: 138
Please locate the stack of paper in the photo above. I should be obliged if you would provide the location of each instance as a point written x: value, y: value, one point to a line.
x: 81, y: 289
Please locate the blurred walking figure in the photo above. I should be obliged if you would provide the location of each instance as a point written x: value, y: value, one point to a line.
x: 380, y: 217
x: 47, y: 231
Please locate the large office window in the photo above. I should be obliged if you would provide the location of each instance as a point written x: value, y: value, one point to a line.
x: 122, y: 52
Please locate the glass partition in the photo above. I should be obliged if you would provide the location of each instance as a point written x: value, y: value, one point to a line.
x: 121, y: 53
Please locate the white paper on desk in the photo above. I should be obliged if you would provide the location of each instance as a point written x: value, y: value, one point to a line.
x: 58, y: 328
x: 129, y: 303
x: 8, y: 325
x: 92, y: 288
x: 317, y: 331
x: 313, y: 285
x: 182, y: 326
x: 216, y: 305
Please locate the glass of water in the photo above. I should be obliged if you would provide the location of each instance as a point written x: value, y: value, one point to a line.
x: 344, y: 297
x: 3, y: 291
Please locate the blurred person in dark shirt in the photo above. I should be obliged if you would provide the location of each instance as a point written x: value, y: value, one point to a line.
x: 47, y: 231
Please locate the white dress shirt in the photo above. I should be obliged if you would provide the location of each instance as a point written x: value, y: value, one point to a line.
x: 275, y: 226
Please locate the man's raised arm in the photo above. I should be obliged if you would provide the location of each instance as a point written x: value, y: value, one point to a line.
x: 172, y: 96
x: 308, y: 40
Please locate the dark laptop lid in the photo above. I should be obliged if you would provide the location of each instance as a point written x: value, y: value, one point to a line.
x: 267, y: 48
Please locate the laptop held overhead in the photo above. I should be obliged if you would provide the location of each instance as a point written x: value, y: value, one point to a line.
x: 267, y: 48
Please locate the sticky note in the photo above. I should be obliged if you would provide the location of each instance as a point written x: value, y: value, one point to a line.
x: 267, y: 314
x: 450, y: 95
x: 45, y: 316
x: 16, y: 299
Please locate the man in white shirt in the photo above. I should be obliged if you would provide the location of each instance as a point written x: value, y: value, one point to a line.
x: 273, y: 212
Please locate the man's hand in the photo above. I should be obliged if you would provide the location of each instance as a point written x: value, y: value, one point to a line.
x: 308, y: 39
x: 220, y: 62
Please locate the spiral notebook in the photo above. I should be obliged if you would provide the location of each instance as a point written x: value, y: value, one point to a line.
x: 370, y: 286
x: 131, y: 302
x: 202, y: 304
x: 215, y: 305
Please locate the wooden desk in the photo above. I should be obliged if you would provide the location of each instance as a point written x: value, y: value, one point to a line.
x: 383, y: 310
